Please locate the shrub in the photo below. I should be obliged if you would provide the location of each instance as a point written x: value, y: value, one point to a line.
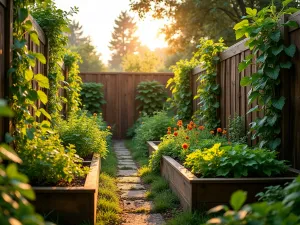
x: 272, y: 194
x: 234, y: 161
x: 181, y: 141
x: 152, y: 96
x: 237, y: 130
x: 264, y: 213
x: 152, y: 128
x: 46, y: 160
x: 83, y: 132
x: 92, y: 97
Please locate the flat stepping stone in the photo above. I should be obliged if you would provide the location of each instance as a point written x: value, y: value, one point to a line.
x: 129, y: 180
x: 133, y: 194
x: 127, y: 173
x: 126, y: 162
x: 127, y: 167
x: 142, y: 219
x: 137, y: 206
x: 123, y: 153
x: 125, y: 157
x: 126, y: 186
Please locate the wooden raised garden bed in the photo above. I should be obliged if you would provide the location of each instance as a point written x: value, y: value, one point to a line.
x: 152, y: 146
x: 71, y: 205
x: 205, y: 193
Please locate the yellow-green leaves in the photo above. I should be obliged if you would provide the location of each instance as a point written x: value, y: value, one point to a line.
x: 238, y: 199
x: 42, y: 96
x: 251, y: 12
x: 42, y: 80
x: 28, y: 75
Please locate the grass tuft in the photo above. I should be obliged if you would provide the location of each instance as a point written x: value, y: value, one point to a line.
x: 189, y: 218
x: 164, y: 201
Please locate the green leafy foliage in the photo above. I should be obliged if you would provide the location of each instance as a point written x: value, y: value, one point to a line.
x: 181, y: 99
x: 272, y: 194
x: 83, y: 132
x: 152, y: 128
x: 54, y: 23
x: 52, y: 162
x: 92, y: 97
x: 71, y: 60
x: 265, y: 213
x: 208, y: 57
x: 237, y: 130
x: 152, y: 96
x: 234, y: 161
x: 265, y: 40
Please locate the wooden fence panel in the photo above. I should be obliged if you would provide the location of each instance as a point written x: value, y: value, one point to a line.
x: 120, y: 110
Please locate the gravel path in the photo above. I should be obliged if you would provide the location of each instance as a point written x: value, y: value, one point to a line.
x: 136, y: 208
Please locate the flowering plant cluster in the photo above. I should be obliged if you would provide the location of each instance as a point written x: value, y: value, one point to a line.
x: 184, y: 139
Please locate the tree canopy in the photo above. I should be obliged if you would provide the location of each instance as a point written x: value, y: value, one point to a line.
x: 123, y: 41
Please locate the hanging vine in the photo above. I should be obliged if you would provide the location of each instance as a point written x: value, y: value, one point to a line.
x: 265, y: 40
x: 208, y: 90
x: 55, y: 23
x: 71, y: 60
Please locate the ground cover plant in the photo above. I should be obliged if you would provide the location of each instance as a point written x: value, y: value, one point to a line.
x: 84, y: 132
x: 92, y: 97
x: 152, y: 96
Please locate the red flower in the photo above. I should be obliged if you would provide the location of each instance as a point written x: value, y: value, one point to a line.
x: 189, y: 127
x: 169, y: 128
x: 175, y: 128
x: 219, y: 130
x: 169, y: 132
x: 201, y: 128
x: 185, y: 146
x: 179, y: 123
x: 175, y: 134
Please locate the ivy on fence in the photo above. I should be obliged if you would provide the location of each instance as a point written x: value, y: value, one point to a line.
x: 263, y: 29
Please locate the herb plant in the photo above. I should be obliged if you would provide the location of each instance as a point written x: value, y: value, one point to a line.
x: 152, y: 96
x: 234, y: 161
x: 92, y: 97
x: 208, y: 90
x: 83, y: 132
x: 263, y: 29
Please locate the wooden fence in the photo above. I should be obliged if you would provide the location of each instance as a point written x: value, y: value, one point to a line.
x: 120, y: 111
x: 233, y: 98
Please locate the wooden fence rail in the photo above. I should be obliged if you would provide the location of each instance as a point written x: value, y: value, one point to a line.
x: 120, y: 110
x: 234, y: 99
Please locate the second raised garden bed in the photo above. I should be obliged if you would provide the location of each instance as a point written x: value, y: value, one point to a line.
x: 204, y: 193
x: 71, y: 205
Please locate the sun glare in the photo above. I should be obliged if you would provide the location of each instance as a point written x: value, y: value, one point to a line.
x: 149, y: 33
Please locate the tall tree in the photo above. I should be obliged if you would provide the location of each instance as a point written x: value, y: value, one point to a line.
x: 91, y: 61
x: 124, y: 41
x: 193, y: 19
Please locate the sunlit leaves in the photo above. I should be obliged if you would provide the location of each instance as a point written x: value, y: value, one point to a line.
x: 42, y: 96
x: 42, y: 80
x: 238, y: 199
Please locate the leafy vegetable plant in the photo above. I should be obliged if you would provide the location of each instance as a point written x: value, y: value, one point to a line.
x: 237, y: 130
x: 152, y: 96
x: 234, y: 161
x: 92, y: 97
x: 263, y: 29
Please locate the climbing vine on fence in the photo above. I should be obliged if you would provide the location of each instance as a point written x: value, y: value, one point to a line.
x: 208, y: 90
x: 181, y: 89
x: 71, y: 60
x: 55, y: 23
x: 21, y: 73
x: 266, y: 42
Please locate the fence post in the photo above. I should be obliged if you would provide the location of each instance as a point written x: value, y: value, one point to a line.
x: 218, y: 81
x: 286, y: 148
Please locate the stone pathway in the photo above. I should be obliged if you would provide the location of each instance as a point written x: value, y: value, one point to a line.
x: 136, y: 208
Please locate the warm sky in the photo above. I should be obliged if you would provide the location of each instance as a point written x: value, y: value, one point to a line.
x: 97, y: 18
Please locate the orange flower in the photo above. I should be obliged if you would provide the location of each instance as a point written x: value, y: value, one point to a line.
x: 179, y: 123
x: 189, y: 127
x: 212, y: 132
x: 95, y: 114
x: 219, y: 130
x: 224, y: 132
x: 169, y: 128
x: 169, y: 132
x: 175, y: 134
x: 187, y: 138
x: 109, y: 127
x: 185, y: 146
x: 175, y: 128
x: 201, y: 128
